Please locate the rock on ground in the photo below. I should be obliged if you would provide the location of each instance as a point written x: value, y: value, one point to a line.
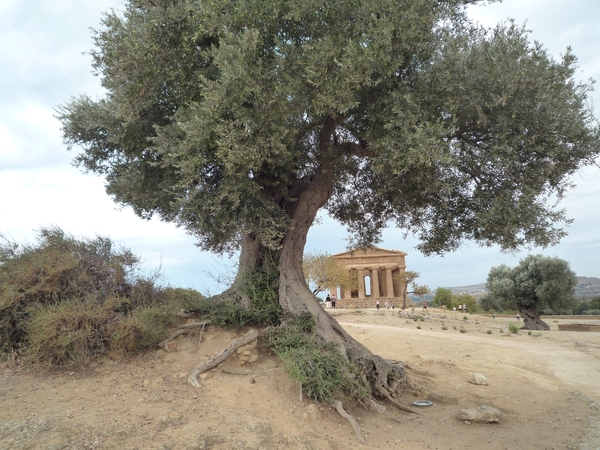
x: 483, y: 414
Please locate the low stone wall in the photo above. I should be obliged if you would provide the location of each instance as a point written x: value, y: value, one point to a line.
x: 578, y: 327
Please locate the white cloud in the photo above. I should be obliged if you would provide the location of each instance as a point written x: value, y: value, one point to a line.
x: 31, y: 137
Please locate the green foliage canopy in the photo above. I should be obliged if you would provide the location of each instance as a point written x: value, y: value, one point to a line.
x: 218, y: 114
x: 443, y: 296
x: 535, y: 284
x: 465, y: 299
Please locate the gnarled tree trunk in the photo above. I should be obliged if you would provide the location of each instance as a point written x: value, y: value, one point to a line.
x: 532, y: 320
x: 385, y: 379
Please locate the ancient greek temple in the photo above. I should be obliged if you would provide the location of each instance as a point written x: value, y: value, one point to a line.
x: 374, y: 270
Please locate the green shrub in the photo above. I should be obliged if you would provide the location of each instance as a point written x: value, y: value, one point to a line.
x: 324, y: 373
x: 155, y: 323
x: 513, y: 328
x: 418, y: 327
x: 463, y: 330
x: 489, y: 331
x: 444, y: 327
x: 183, y: 299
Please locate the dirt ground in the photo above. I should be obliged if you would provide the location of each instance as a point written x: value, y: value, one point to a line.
x: 547, y: 385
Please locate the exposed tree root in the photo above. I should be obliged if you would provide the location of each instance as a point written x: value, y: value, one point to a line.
x: 340, y: 409
x: 183, y: 329
x: 250, y: 336
x: 376, y: 406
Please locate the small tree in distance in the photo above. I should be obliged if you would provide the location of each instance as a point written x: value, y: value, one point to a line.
x: 322, y: 271
x: 443, y: 297
x: 407, y: 281
x: 467, y: 300
x: 536, y: 283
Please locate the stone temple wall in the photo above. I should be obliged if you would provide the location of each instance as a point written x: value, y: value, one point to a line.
x: 377, y: 273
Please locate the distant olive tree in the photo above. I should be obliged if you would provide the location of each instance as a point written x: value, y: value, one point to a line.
x: 443, y: 297
x: 537, y: 283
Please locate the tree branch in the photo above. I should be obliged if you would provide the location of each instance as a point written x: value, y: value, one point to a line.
x: 183, y: 329
x: 250, y: 336
x: 326, y: 134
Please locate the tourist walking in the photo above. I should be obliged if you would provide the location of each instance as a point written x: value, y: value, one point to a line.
x: 377, y: 305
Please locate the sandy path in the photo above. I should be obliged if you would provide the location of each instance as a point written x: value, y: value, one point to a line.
x: 545, y: 384
x: 572, y: 361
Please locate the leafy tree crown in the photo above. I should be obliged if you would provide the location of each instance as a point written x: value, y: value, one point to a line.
x: 536, y: 283
x: 218, y: 114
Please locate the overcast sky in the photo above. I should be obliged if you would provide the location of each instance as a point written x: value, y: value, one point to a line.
x: 43, y: 63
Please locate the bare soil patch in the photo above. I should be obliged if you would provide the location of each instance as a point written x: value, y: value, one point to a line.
x: 546, y: 384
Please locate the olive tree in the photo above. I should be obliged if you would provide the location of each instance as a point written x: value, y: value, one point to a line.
x: 240, y: 121
x: 535, y: 284
x: 443, y: 296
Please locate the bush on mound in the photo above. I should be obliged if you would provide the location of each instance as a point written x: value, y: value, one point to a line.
x: 64, y: 301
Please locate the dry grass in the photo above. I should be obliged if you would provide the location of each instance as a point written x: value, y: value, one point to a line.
x: 64, y: 300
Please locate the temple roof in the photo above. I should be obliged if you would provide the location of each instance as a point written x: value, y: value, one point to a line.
x: 369, y: 252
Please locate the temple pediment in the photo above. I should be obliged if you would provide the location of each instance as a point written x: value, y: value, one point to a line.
x: 371, y: 252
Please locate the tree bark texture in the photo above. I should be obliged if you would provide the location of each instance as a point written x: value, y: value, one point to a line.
x: 532, y: 320
x: 385, y: 379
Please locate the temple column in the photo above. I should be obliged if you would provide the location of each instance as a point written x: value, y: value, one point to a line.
x: 389, y: 282
x: 361, y: 283
x: 375, y: 283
